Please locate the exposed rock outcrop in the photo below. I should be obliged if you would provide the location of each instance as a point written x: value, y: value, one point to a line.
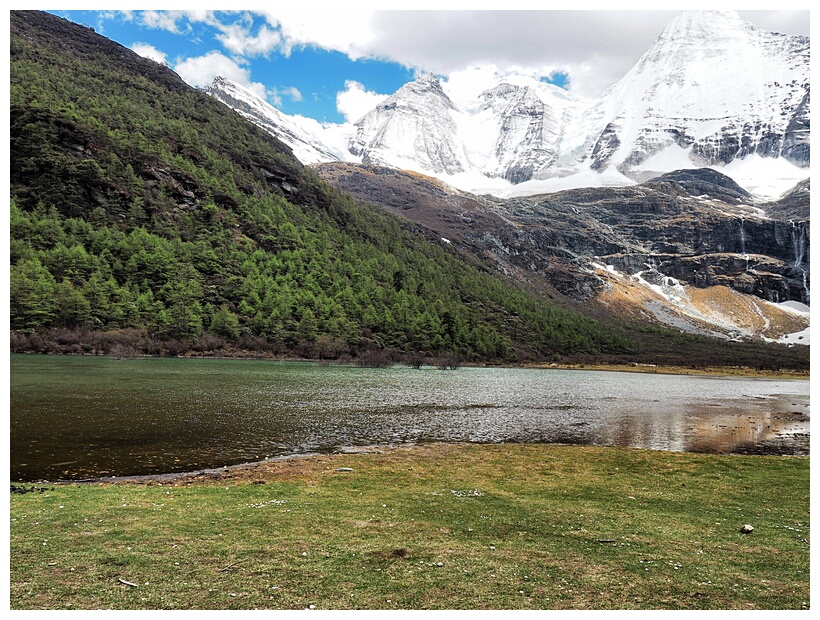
x: 692, y: 228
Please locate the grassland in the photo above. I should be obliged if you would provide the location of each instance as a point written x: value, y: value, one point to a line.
x: 428, y: 527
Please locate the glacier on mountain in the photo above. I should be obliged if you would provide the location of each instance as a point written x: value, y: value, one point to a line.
x: 713, y: 91
x: 714, y: 85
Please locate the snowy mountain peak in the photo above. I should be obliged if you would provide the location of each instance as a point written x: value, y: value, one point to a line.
x: 301, y: 134
x: 712, y: 91
x: 427, y: 80
x: 424, y: 88
x: 414, y: 128
x: 504, y: 94
x: 694, y: 25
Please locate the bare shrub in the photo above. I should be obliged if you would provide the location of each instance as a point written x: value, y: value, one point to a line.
x: 18, y: 342
x: 106, y: 341
x: 329, y: 348
x: 374, y: 358
x: 249, y: 342
x: 65, y: 336
x: 122, y: 351
x: 415, y: 360
x: 36, y: 343
x: 448, y: 362
x: 208, y: 343
x: 174, y: 348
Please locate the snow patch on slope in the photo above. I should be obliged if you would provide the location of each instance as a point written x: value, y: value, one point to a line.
x: 765, y: 177
x: 715, y: 311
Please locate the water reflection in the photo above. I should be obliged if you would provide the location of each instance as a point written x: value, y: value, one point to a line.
x: 74, y: 417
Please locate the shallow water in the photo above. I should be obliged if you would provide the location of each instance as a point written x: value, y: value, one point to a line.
x: 82, y: 417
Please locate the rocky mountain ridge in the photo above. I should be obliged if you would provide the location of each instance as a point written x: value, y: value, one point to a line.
x: 684, y: 235
x: 712, y: 90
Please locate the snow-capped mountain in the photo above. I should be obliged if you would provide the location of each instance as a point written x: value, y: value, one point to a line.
x: 712, y: 91
x: 530, y: 120
x: 414, y: 128
x: 712, y: 88
x: 301, y: 134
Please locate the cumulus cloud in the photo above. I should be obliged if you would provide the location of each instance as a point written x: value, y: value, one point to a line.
x: 291, y: 92
x: 201, y: 70
x: 594, y: 48
x: 349, y: 32
x: 237, y: 38
x: 537, y: 43
x: 149, y: 51
x: 164, y: 20
x: 355, y: 101
x: 464, y: 86
x: 235, y: 30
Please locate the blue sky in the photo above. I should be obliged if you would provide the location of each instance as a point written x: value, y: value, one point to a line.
x: 304, y: 81
x: 334, y: 66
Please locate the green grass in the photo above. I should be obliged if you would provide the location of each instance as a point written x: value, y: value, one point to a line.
x: 432, y: 527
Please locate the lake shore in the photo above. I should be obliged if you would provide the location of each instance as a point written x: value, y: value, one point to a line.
x: 723, y: 371
x: 730, y: 371
x: 432, y: 526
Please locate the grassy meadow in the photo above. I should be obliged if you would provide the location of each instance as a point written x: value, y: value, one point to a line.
x: 427, y: 527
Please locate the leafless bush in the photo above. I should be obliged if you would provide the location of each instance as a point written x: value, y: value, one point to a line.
x: 18, y: 342
x: 122, y: 351
x: 448, y: 362
x: 127, y: 338
x: 36, y: 343
x: 415, y: 360
x: 249, y: 342
x: 174, y: 348
x: 374, y: 358
x: 328, y: 348
x: 207, y: 343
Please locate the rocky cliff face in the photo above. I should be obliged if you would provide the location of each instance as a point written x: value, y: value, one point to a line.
x: 684, y: 231
x: 528, y: 135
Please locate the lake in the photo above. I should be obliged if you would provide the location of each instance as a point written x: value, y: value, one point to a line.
x: 75, y: 417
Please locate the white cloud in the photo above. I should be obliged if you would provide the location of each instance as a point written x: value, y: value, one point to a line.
x: 348, y: 31
x: 235, y: 29
x: 170, y: 20
x: 537, y: 43
x: 293, y: 93
x: 354, y: 102
x: 163, y: 20
x: 465, y: 85
x: 149, y: 51
x: 238, y: 39
x: 201, y: 70
x: 595, y: 48
x: 275, y: 95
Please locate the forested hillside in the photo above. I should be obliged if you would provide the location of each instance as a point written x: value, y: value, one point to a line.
x: 146, y: 217
x: 144, y: 210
